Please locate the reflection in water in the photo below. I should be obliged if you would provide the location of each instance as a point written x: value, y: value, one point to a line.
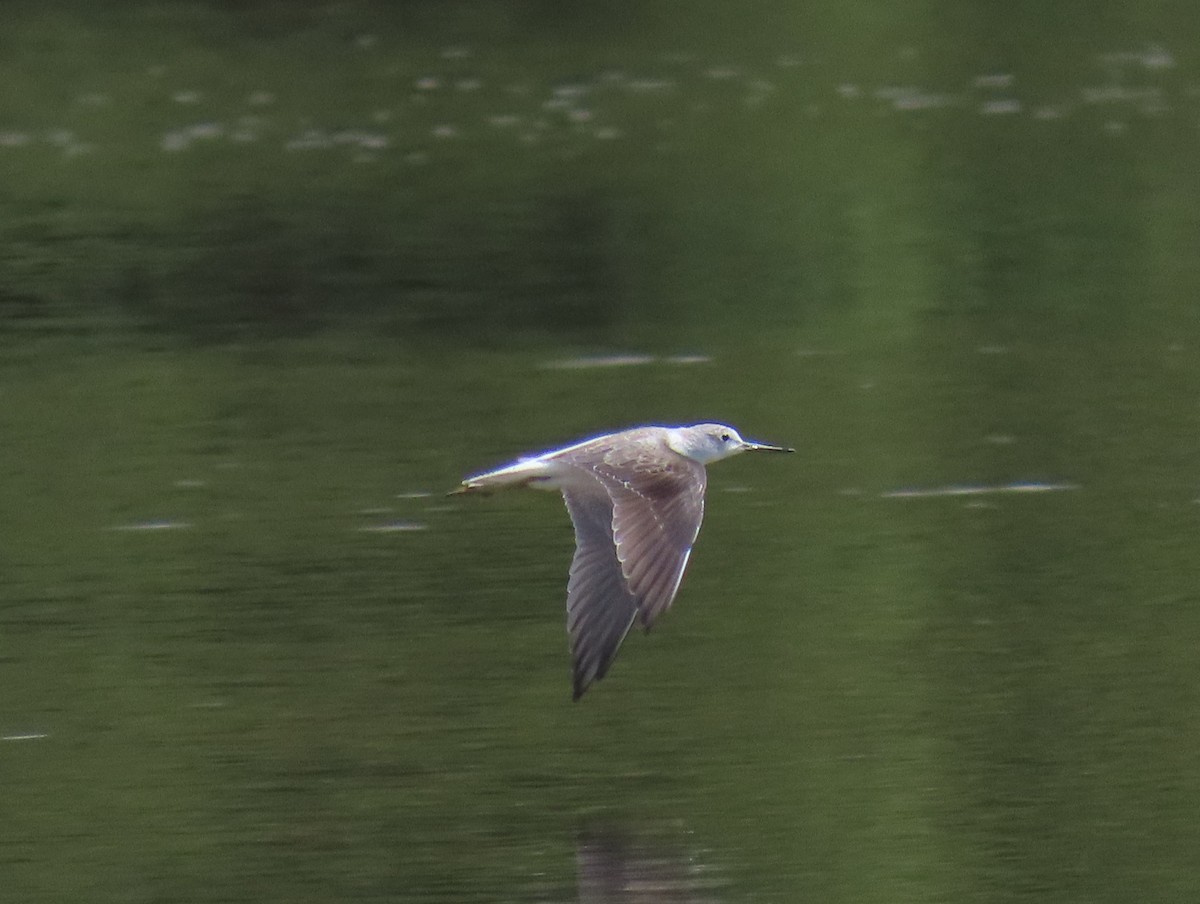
x: 612, y: 867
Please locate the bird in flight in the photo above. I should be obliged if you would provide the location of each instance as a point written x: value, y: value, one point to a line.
x: 636, y: 499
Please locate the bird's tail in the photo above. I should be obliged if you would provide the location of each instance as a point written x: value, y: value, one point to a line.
x: 514, y: 475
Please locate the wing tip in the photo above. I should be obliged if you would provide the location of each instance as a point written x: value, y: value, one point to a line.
x: 581, y: 684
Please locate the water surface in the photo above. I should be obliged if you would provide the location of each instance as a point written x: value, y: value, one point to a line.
x: 275, y: 281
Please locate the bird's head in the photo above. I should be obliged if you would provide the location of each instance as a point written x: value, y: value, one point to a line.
x: 712, y: 442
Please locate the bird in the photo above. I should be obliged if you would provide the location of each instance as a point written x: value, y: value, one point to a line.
x: 636, y: 500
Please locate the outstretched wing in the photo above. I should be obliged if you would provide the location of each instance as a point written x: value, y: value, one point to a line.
x: 600, y: 608
x: 657, y: 506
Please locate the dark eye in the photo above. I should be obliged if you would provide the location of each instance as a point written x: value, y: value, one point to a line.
x: 724, y: 437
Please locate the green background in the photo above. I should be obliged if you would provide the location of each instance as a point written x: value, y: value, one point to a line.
x: 270, y: 273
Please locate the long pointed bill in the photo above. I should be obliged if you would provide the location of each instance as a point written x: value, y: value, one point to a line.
x: 763, y: 447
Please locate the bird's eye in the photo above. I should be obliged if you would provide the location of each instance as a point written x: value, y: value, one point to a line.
x: 724, y: 437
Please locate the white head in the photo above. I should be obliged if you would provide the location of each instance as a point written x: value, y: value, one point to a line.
x: 712, y: 442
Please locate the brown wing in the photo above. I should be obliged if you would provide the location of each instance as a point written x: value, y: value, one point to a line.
x: 658, y: 504
x: 600, y: 608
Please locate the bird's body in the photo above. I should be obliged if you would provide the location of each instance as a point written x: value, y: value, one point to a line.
x: 636, y: 499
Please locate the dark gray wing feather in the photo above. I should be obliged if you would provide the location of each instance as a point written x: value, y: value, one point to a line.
x: 600, y: 608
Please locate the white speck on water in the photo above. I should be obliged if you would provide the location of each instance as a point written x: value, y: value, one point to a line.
x: 1156, y: 57
x: 572, y: 91
x: 687, y: 359
x: 994, y: 80
x: 186, y: 97
x: 444, y: 131
x: 308, y: 140
x: 608, y: 133
x: 414, y: 494
x: 1000, y: 107
x: 918, y: 100
x: 174, y: 141
x: 909, y: 97
x: 28, y: 736
x: 153, y: 526
x: 428, y: 83
x: 1153, y: 56
x: 849, y: 91
x: 587, y: 361
x: 371, y: 141
x: 394, y: 527
x: 1119, y: 94
x: 978, y: 490
x: 14, y: 139
x: 206, y: 131
x: 650, y: 85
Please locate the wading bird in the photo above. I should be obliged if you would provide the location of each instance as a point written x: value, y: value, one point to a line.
x: 636, y: 499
